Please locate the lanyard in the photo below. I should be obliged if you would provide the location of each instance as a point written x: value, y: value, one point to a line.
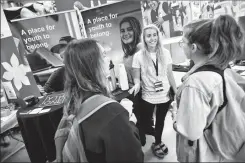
x: 156, y: 66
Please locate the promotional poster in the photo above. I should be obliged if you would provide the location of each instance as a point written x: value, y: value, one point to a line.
x: 233, y: 8
x: 40, y: 40
x: 15, y: 74
x: 103, y: 24
x: 168, y: 16
x: 64, y: 5
x: 115, y: 24
x: 172, y: 16
x: 35, y: 61
x: 20, y: 9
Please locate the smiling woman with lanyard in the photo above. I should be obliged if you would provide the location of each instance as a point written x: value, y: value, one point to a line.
x: 154, y: 64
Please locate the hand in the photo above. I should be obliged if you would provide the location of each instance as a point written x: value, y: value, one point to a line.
x: 128, y: 105
x: 159, y: 22
x: 173, y: 110
x: 41, y: 89
x: 174, y: 115
x: 133, y: 118
x: 135, y: 89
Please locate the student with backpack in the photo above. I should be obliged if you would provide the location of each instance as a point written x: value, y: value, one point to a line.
x: 94, y: 127
x: 210, y: 119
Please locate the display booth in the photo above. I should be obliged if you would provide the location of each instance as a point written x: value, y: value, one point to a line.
x: 33, y: 33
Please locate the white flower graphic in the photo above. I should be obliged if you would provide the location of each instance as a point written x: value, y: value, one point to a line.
x: 16, y: 72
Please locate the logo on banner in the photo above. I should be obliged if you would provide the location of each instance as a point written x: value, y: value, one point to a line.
x: 16, y: 72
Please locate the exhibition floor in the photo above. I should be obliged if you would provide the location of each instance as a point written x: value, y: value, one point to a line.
x: 169, y: 138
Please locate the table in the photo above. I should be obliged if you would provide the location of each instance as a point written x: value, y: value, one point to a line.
x: 120, y: 94
x: 38, y: 130
x: 180, y: 68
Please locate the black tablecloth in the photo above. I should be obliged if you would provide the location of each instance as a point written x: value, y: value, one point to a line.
x: 180, y: 68
x: 38, y: 130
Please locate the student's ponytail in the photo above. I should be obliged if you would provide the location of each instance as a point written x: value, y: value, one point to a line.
x: 226, y: 40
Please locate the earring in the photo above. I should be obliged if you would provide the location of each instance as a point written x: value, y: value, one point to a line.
x: 193, y: 46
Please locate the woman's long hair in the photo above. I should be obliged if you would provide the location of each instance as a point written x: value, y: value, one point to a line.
x: 226, y: 39
x: 220, y: 39
x: 84, y: 73
x: 130, y: 49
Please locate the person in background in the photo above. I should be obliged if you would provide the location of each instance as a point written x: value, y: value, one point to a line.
x: 38, y: 8
x: 15, y: 10
x: 179, y: 17
x: 80, y: 6
x: 206, y: 42
x: 108, y: 135
x: 130, y: 32
x: 55, y: 82
x: 160, y: 15
x: 153, y: 74
x: 207, y: 10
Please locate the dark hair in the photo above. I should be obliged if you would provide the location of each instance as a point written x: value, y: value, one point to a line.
x: 63, y: 41
x: 83, y: 73
x: 219, y: 38
x: 227, y: 39
x: 130, y: 49
x: 199, y: 32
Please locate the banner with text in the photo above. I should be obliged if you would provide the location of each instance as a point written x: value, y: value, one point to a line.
x: 39, y: 39
x: 103, y: 24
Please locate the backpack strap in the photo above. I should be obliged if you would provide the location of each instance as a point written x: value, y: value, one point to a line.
x: 91, y: 105
x: 221, y: 73
x: 75, y: 149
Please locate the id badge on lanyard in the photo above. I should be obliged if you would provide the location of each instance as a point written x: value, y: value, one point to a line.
x: 158, y: 84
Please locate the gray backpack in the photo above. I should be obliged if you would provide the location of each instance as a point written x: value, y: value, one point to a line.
x: 68, y: 142
x: 226, y: 134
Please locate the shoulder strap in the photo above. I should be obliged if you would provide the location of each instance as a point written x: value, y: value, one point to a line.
x: 221, y: 73
x: 91, y: 105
